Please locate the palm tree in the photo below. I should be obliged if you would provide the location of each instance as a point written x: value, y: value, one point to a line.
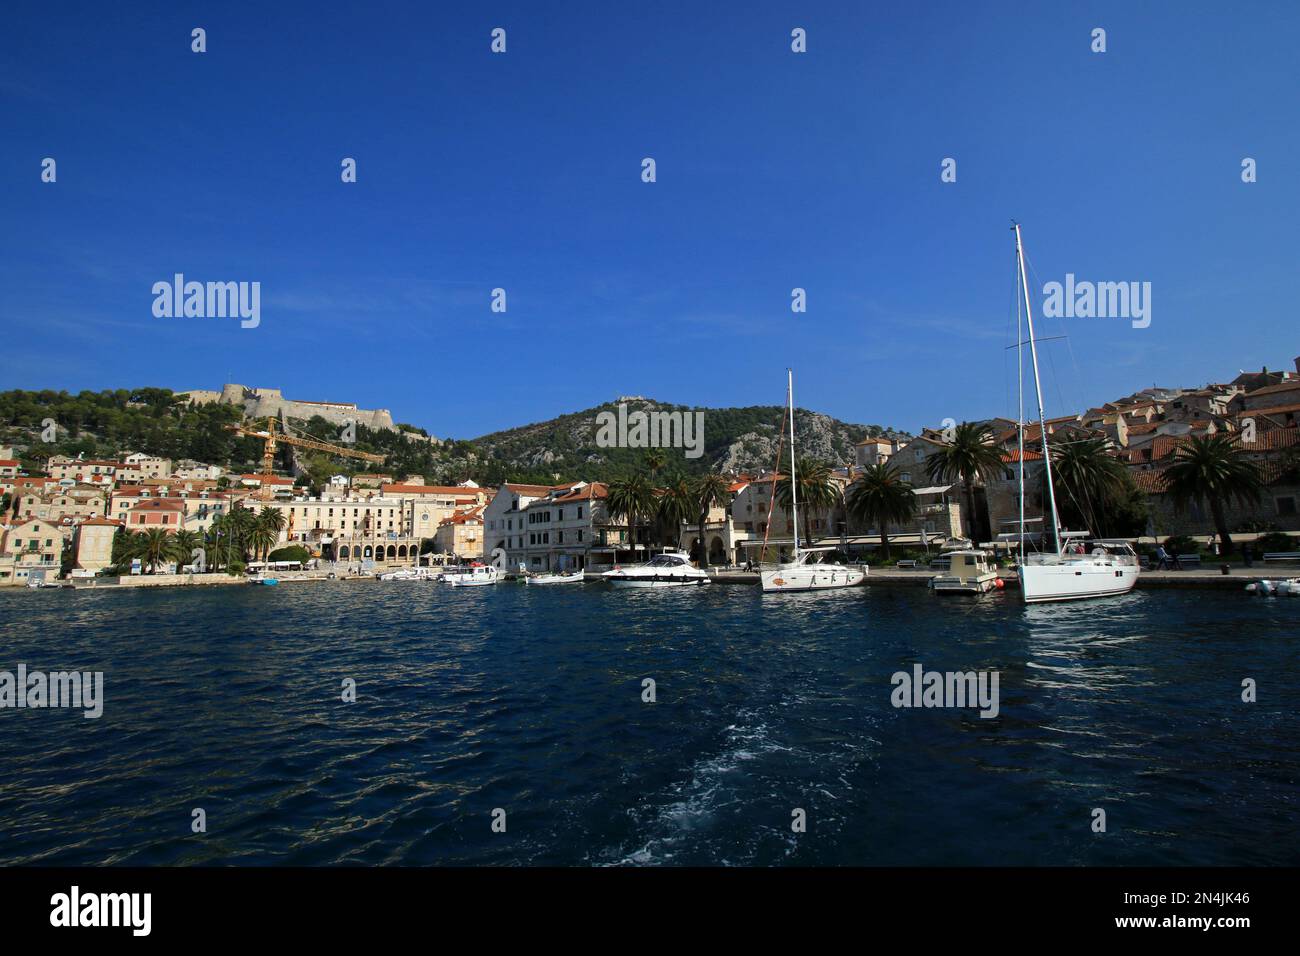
x: 655, y: 460
x: 186, y: 543
x: 270, y: 522
x: 1092, y: 485
x: 154, y: 546
x: 816, y: 490
x: 708, y: 490
x: 675, y: 505
x: 969, y: 456
x: 880, y: 496
x: 1213, y: 470
x: 239, y: 527
x: 630, y: 497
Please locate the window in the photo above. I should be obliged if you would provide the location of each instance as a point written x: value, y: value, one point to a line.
x: 579, y: 517
x: 1286, y: 506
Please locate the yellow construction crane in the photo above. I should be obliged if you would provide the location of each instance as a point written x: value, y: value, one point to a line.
x: 271, y: 438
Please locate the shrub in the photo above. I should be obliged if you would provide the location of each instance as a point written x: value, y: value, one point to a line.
x: 1275, y: 541
x: 235, y: 568
x: 293, y: 552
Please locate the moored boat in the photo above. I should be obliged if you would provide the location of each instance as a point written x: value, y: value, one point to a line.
x: 667, y: 570
x: 969, y: 571
x: 558, y: 577
x: 473, y: 576
x: 802, y: 573
x: 1104, y: 568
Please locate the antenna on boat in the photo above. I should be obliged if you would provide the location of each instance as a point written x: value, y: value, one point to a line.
x: 1038, y: 391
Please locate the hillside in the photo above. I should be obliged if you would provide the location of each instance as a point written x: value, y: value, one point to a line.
x: 154, y: 421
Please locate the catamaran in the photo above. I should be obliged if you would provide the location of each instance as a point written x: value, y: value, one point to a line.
x: 1074, y: 568
x: 803, y: 573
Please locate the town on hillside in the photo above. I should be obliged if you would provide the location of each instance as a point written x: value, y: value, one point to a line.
x: 1149, y: 466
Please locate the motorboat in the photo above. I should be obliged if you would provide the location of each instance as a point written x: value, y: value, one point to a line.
x: 558, y: 577
x: 1070, y: 571
x: 473, y: 576
x: 407, y: 574
x: 668, y: 570
x: 970, y: 571
x: 802, y: 573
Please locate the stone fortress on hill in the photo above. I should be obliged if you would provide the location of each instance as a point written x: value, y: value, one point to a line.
x: 263, y: 402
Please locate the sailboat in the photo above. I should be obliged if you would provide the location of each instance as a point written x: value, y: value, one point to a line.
x: 1078, y: 569
x: 803, y: 573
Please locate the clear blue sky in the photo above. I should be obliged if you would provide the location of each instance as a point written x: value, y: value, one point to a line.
x: 522, y: 170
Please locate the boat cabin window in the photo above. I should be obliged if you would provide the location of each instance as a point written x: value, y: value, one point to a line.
x: 666, y: 561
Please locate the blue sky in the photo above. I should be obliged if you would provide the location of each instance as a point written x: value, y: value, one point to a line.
x: 522, y: 171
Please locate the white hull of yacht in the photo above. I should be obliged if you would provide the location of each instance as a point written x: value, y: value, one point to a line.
x: 811, y: 577
x: 1075, y: 580
x: 661, y: 581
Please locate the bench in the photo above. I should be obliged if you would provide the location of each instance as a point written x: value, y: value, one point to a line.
x: 1278, y: 556
x: 1189, y: 560
x: 907, y: 563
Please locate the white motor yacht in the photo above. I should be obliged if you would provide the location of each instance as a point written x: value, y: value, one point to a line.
x: 671, y: 569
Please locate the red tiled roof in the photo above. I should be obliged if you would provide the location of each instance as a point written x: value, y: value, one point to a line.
x: 594, y: 490
x: 159, y: 504
x: 1014, y: 455
x: 1291, y: 386
x: 404, y: 489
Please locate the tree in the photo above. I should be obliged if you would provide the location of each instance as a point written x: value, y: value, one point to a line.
x: 881, y: 496
x: 269, y: 525
x: 816, y: 491
x: 971, y: 455
x: 1089, y: 481
x: 185, y: 545
x: 154, y: 547
x: 630, y: 497
x: 708, y: 490
x: 675, y: 505
x: 1212, y: 470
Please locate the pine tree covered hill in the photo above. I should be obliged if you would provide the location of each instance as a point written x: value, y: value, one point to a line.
x: 155, y: 421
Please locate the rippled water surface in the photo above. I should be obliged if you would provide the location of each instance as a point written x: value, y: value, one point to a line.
x: 529, y: 699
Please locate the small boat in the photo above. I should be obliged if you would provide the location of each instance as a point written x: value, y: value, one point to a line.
x: 474, y: 576
x: 269, y: 582
x: 1266, y: 588
x: 406, y: 574
x: 802, y: 573
x: 668, y: 570
x: 559, y: 577
x: 969, y: 572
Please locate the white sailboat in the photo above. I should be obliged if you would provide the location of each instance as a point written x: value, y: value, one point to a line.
x: 1084, y: 570
x: 803, y: 573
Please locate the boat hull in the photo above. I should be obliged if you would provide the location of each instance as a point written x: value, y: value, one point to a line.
x: 663, y: 581
x: 980, y: 585
x: 549, y: 579
x: 811, y: 578
x: 1075, y: 581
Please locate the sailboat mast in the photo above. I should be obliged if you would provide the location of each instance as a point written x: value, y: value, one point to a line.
x: 794, y: 484
x: 1020, y: 414
x: 1038, y: 391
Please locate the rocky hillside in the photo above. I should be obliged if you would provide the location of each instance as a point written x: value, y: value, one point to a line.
x: 735, y: 439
